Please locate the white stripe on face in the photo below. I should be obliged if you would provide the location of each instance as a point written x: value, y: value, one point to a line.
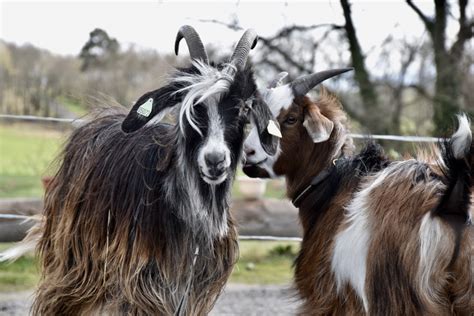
x: 277, y: 99
x: 214, y: 143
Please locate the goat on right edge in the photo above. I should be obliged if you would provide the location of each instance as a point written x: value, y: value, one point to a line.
x: 380, y: 237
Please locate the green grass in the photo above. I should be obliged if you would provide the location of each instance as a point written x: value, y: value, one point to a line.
x: 26, y: 154
x: 265, y: 262
x: 260, y: 262
x: 20, y: 186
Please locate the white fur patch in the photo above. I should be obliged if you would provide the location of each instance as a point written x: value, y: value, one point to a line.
x: 159, y: 117
x: 435, y: 245
x: 349, y: 261
x: 214, y: 142
x: 350, y: 251
x: 18, y: 250
x: 278, y: 98
x: 265, y: 161
x: 461, y: 140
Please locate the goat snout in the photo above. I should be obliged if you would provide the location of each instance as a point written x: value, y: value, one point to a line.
x: 215, y: 162
x: 249, y: 152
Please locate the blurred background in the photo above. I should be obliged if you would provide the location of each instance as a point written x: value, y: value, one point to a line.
x: 414, y: 70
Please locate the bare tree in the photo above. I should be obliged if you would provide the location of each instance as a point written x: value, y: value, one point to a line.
x: 447, y: 59
x: 368, y: 92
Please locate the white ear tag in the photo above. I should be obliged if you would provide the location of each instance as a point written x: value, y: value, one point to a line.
x: 273, y: 129
x: 145, y: 108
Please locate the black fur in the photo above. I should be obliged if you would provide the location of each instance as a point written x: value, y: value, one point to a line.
x: 346, y: 172
x: 142, y: 191
x: 455, y: 202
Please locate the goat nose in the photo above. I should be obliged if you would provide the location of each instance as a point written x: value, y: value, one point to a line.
x: 249, y: 151
x: 214, y: 158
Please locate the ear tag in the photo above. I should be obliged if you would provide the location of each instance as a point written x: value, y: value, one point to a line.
x: 273, y: 129
x: 145, y: 108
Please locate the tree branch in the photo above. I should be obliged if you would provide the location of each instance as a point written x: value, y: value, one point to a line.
x: 274, y: 65
x: 462, y: 13
x: 466, y: 31
x: 421, y: 91
x: 283, y: 33
x: 233, y: 26
x: 429, y: 24
x: 285, y: 55
x: 463, y: 35
x: 286, y: 31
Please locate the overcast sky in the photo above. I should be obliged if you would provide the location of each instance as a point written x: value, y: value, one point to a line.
x: 63, y: 26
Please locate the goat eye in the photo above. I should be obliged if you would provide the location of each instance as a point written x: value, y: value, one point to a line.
x: 290, y: 120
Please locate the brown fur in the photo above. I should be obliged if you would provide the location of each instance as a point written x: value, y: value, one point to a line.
x: 396, y: 209
x: 297, y: 141
x: 100, y: 255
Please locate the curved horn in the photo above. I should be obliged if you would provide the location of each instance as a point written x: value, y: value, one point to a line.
x: 195, y: 46
x: 278, y: 80
x: 303, y: 84
x: 241, y: 51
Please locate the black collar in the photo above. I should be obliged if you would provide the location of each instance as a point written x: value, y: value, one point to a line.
x: 317, y: 180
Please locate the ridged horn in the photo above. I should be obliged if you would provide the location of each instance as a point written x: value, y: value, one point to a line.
x: 278, y: 80
x: 195, y: 46
x: 303, y: 84
x: 241, y: 52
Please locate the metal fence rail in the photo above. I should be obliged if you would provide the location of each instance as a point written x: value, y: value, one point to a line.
x: 270, y: 238
x: 398, y: 138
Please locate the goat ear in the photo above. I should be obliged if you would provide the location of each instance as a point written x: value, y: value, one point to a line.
x: 267, y: 126
x: 148, y: 106
x: 318, y: 126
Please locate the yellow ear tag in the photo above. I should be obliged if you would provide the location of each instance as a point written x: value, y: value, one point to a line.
x: 273, y: 129
x: 145, y: 108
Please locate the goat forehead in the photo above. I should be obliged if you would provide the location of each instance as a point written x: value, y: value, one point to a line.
x: 215, y: 121
x: 278, y: 99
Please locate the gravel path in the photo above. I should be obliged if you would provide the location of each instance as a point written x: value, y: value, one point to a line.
x: 237, y: 299
x: 256, y: 300
x: 15, y: 304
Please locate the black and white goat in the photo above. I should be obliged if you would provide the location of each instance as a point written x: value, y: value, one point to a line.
x: 380, y: 237
x: 136, y: 220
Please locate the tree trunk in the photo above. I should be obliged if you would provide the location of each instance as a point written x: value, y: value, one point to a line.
x: 447, y: 61
x: 368, y: 91
x: 447, y: 89
x: 447, y: 93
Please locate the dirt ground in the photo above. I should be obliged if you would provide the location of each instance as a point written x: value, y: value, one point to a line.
x: 237, y: 299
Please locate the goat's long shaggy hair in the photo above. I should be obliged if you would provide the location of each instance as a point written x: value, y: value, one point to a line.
x: 391, y: 237
x: 113, y: 245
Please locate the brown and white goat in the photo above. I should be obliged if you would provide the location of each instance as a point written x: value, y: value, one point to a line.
x: 381, y: 237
